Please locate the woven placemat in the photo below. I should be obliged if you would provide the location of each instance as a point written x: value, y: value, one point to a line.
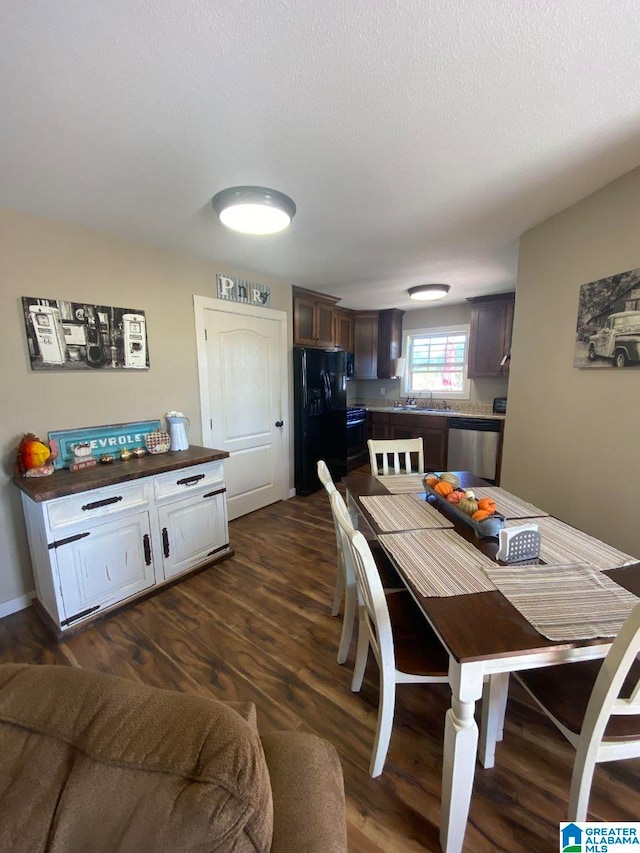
x: 508, y: 505
x: 566, y: 602
x: 399, y: 484
x: 403, y: 512
x: 439, y: 562
x: 562, y: 543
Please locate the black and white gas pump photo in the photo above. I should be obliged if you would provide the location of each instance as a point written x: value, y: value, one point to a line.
x: 79, y: 336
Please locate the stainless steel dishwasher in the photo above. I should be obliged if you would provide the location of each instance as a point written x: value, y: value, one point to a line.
x: 473, y: 446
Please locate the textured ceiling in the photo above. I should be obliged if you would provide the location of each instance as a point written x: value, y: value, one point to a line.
x: 418, y: 138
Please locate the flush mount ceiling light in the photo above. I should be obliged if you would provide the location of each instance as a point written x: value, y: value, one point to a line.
x: 254, y: 210
x: 429, y: 292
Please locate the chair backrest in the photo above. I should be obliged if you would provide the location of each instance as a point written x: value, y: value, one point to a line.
x: 330, y: 486
x: 325, y: 477
x: 605, y: 702
x: 397, y: 451
x: 359, y: 559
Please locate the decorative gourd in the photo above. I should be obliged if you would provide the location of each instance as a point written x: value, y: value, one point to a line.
x: 448, y: 477
x: 34, y: 458
x: 443, y: 488
x: 487, y: 504
x: 469, y: 493
x: 468, y: 505
x: 431, y: 480
x: 34, y: 454
x: 481, y: 514
x: 455, y: 497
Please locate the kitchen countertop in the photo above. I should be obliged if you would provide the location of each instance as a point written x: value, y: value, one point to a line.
x: 441, y: 413
x: 64, y: 482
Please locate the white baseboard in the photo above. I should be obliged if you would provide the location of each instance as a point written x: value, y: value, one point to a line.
x: 9, y: 607
x: 292, y: 493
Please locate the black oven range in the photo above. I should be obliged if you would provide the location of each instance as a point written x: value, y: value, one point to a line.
x: 357, y: 452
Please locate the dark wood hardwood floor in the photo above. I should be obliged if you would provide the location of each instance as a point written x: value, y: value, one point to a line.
x: 258, y: 627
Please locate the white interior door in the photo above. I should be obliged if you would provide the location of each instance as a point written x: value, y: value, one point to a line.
x: 243, y: 389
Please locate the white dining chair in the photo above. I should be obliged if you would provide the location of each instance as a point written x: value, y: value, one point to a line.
x: 405, y: 647
x: 345, y: 579
x: 596, y: 706
x: 396, y: 456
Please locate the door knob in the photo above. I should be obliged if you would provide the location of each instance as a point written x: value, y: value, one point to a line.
x: 279, y: 423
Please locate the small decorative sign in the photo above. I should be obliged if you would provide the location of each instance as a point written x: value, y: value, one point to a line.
x: 101, y: 439
x: 80, y: 466
x: 239, y: 290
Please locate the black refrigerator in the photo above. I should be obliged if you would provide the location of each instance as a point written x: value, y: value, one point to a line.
x: 320, y: 421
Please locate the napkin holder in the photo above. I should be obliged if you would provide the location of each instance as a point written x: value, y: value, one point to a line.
x: 519, y: 543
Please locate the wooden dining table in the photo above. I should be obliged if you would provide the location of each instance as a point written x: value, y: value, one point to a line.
x: 484, y: 635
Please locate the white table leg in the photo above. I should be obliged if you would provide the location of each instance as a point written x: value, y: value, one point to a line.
x: 494, y: 703
x: 459, y: 760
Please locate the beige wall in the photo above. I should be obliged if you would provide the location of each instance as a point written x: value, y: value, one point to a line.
x: 571, y: 442
x: 43, y: 258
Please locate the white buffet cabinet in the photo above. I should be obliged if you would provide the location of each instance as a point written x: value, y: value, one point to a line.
x: 95, y: 549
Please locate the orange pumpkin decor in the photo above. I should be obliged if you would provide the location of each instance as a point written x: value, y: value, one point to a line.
x: 481, y: 514
x: 487, y: 503
x: 455, y: 497
x: 431, y: 480
x: 443, y: 488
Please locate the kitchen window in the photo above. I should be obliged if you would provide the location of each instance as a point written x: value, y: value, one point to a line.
x: 436, y: 362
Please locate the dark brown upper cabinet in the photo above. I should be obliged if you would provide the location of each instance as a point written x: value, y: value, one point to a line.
x: 343, y: 329
x: 490, y: 337
x: 365, y: 345
x: 374, y: 337
x: 389, y: 341
x: 313, y: 319
x: 377, y: 343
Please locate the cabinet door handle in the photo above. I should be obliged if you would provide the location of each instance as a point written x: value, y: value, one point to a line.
x: 279, y: 423
x: 104, y: 502
x: 80, y: 615
x: 66, y: 541
x: 190, y: 481
x: 147, y: 549
x: 217, y: 492
x: 165, y: 542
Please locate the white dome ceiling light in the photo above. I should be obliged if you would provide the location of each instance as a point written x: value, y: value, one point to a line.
x: 254, y: 210
x: 429, y: 292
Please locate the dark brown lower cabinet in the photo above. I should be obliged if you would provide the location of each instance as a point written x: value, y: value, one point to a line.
x: 378, y: 424
x: 432, y: 431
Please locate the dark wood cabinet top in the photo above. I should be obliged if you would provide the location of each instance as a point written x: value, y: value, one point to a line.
x: 65, y: 482
x: 303, y: 293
